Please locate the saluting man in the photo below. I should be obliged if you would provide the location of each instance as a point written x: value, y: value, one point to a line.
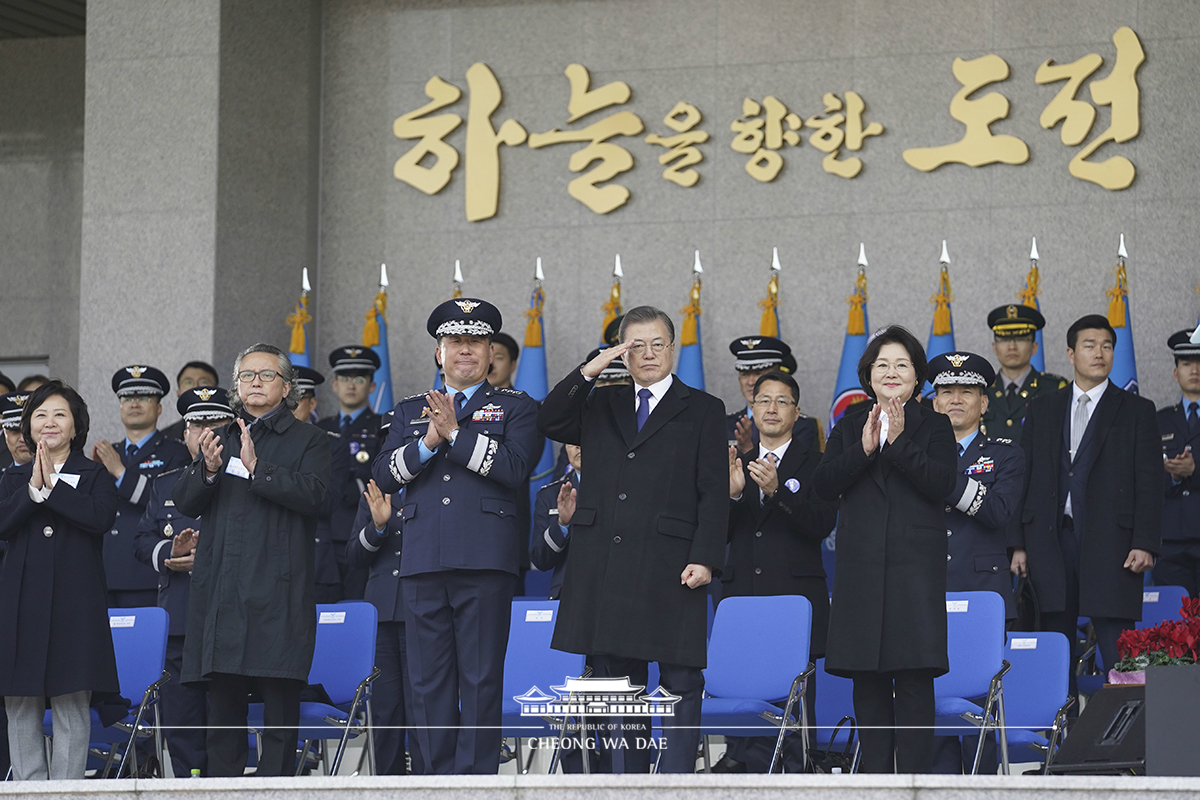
x: 1014, y: 331
x: 463, y: 458
x: 991, y: 475
x: 358, y: 426
x: 1179, y: 427
x: 143, y: 455
x: 166, y: 541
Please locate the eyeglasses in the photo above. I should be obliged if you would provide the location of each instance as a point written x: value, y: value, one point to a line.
x: 357, y: 380
x: 264, y: 375
x: 656, y: 347
x: 778, y: 402
x: 900, y: 366
x: 138, y: 398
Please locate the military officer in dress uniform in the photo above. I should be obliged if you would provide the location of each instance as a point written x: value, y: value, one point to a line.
x: 463, y: 458
x: 166, y: 541
x: 353, y: 381
x: 755, y: 356
x: 342, y: 489
x: 12, y: 405
x: 144, y: 454
x: 548, y: 549
x: 190, y: 375
x: 991, y: 474
x: 1014, y: 330
x: 1179, y: 426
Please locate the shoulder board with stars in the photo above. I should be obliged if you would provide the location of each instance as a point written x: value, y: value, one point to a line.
x: 999, y: 440
x: 418, y: 395
x: 169, y: 472
x: 513, y: 392
x: 334, y: 434
x: 554, y: 483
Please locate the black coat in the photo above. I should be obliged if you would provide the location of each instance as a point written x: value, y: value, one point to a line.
x: 1123, y: 501
x: 54, y: 629
x: 889, y: 595
x: 985, y: 501
x: 252, y: 609
x: 654, y: 501
x: 775, y: 546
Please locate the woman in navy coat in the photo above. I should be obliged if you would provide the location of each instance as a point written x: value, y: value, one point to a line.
x: 54, y: 632
x: 890, y: 467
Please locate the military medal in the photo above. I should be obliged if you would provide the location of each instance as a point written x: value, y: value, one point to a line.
x: 168, y: 531
x: 362, y: 456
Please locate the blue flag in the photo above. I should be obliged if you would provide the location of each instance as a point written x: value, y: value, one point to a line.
x: 375, y: 337
x: 847, y: 391
x: 531, y: 379
x: 691, y: 353
x: 941, y: 330
x: 1124, y: 371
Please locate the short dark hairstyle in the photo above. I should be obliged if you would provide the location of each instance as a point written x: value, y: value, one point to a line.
x: 893, y: 334
x: 79, y: 412
x: 779, y: 377
x: 647, y: 314
x: 204, y: 365
x: 1089, y: 322
x: 510, y: 344
x: 29, y: 380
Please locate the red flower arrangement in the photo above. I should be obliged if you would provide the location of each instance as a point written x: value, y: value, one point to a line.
x: 1168, y: 642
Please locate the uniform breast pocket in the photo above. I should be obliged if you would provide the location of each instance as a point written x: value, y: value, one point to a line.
x: 501, y: 508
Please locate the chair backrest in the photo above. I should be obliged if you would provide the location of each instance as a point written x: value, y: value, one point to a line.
x: 529, y: 660
x: 1036, y: 686
x: 974, y: 642
x: 140, y: 644
x: 345, y: 648
x: 835, y: 701
x: 1160, y: 603
x: 758, y: 646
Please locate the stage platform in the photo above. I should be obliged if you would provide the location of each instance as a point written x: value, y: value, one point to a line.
x: 621, y: 787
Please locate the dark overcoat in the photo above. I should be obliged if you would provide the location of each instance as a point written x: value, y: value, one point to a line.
x: 889, y: 596
x: 985, y: 501
x: 775, y: 544
x: 54, y: 630
x: 252, y: 609
x: 1123, y: 501
x: 652, y: 502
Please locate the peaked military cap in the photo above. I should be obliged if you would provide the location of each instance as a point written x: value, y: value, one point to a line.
x: 12, y: 406
x: 1183, y: 346
x: 138, y: 379
x: 308, y: 379
x: 1015, y: 320
x: 612, y: 332
x: 615, y: 371
x: 464, y: 316
x: 759, y: 352
x: 204, y: 403
x: 960, y: 369
x: 354, y: 358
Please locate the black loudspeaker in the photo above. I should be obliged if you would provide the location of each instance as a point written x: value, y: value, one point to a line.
x: 1109, y: 738
x: 1172, y: 720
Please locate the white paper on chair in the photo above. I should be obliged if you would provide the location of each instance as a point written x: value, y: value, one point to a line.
x: 539, y: 615
x: 1149, y: 597
x: 121, y: 622
x: 1024, y: 644
x: 956, y: 606
x: 332, y: 618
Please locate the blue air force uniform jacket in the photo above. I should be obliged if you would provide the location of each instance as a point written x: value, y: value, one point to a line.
x: 985, y: 501
x: 548, y: 548
x: 359, y: 444
x: 461, y: 507
x: 160, y: 454
x: 161, y: 522
x: 379, y: 552
x: 1181, y: 512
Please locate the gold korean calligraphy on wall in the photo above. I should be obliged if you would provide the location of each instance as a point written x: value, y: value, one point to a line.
x: 681, y: 148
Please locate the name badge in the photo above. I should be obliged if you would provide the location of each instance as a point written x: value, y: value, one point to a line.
x: 70, y: 479
x: 237, y: 468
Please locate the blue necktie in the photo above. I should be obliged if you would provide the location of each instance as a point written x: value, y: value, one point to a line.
x: 961, y: 450
x: 130, y: 451
x: 643, y: 409
x: 1193, y: 417
x: 459, y: 400
x: 345, y: 423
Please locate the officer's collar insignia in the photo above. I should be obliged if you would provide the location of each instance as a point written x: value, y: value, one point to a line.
x: 467, y: 306
x: 135, y: 371
x: 750, y: 344
x: 205, y: 394
x: 957, y: 359
x: 1011, y: 312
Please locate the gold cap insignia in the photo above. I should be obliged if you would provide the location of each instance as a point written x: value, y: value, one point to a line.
x: 750, y: 344
x: 205, y: 394
x: 19, y: 400
x: 467, y: 306
x: 353, y: 352
x: 1011, y: 312
x: 135, y: 371
x: 957, y: 359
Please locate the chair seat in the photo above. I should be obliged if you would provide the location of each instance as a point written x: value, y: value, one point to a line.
x: 113, y: 734
x: 733, y: 716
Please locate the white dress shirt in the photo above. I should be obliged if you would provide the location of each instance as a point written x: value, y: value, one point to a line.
x: 1094, y: 394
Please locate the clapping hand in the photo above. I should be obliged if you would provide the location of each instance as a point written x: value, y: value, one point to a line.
x: 743, y: 434
x: 567, y: 495
x: 895, y: 415
x: 443, y: 417
x: 248, y: 455
x: 211, y: 447
x: 737, y: 478
x: 183, y: 551
x: 870, y: 434
x: 380, y: 503
x: 104, y: 453
x: 765, y: 475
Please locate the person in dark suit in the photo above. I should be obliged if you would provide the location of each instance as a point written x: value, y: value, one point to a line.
x: 144, y: 454
x: 11, y: 407
x: 1179, y: 429
x: 755, y: 356
x: 890, y: 466
x: 54, y: 628
x: 463, y: 458
x: 166, y: 541
x: 991, y: 479
x: 776, y: 526
x: 1091, y: 519
x: 648, y: 529
x: 1014, y: 332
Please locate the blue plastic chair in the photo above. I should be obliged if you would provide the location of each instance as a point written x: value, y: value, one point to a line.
x: 344, y: 666
x: 757, y: 657
x: 532, y: 669
x: 140, y: 645
x: 835, y: 726
x: 1160, y: 603
x: 1036, y: 697
x: 975, y: 644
